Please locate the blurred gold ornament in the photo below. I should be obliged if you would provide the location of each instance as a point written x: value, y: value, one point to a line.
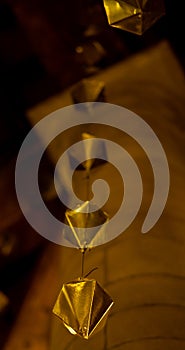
x: 83, y: 307
x: 89, y: 162
x: 91, y: 146
x: 82, y: 218
x: 134, y: 16
x: 7, y: 243
x: 4, y: 302
x: 88, y: 90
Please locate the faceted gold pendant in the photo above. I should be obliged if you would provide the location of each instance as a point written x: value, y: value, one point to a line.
x: 134, y: 16
x: 83, y: 307
x: 88, y: 90
x: 91, y: 147
x: 89, y: 162
x: 80, y: 219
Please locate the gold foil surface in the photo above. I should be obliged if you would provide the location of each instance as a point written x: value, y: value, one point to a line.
x: 80, y: 219
x: 88, y: 90
x: 83, y: 307
x: 134, y: 16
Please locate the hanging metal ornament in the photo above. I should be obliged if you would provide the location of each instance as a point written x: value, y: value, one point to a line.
x: 134, y: 16
x: 88, y: 90
x: 89, y: 150
x: 83, y: 305
x: 83, y: 217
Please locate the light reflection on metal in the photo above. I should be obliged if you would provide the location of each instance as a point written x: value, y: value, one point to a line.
x: 134, y: 16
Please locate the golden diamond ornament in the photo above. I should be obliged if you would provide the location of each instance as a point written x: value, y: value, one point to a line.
x: 88, y: 90
x: 83, y: 306
x: 134, y: 16
x: 82, y: 218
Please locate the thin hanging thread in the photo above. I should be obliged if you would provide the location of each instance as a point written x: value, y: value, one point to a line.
x: 83, y: 251
x: 87, y: 274
x: 83, y: 262
x: 87, y: 184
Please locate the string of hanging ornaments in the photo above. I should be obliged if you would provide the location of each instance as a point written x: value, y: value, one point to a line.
x: 83, y: 305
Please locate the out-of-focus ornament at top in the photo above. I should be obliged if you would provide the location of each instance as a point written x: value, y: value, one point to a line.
x: 134, y: 16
